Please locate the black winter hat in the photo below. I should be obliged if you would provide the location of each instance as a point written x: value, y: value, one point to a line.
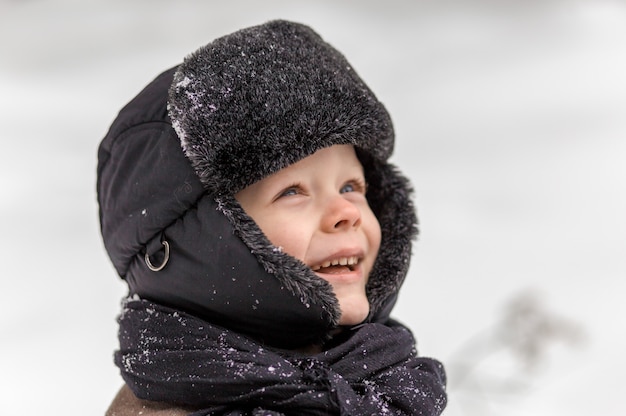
x: 243, y: 107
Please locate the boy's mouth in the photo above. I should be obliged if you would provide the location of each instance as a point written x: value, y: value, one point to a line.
x: 338, y: 265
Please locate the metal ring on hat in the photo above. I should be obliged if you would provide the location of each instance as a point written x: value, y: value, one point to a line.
x: 166, y: 257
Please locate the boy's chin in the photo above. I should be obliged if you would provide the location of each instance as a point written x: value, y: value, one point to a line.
x: 353, y: 311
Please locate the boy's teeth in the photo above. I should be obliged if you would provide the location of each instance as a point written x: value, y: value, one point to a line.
x: 342, y: 261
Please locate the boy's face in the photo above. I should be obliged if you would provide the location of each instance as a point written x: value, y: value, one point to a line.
x: 316, y: 211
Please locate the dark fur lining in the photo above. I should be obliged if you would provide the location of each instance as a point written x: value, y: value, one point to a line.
x: 389, y: 196
x: 297, y: 277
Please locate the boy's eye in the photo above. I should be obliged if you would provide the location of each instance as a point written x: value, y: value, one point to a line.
x: 290, y: 191
x: 355, y: 185
x: 347, y: 188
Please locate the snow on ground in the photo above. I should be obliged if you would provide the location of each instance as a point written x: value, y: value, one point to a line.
x: 510, y: 122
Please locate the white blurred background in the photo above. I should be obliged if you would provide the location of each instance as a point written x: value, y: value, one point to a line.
x: 511, y: 122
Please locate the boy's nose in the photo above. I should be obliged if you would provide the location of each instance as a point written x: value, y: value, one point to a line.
x: 341, y: 214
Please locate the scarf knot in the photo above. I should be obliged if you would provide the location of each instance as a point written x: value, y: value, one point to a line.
x: 318, y: 373
x: 313, y: 370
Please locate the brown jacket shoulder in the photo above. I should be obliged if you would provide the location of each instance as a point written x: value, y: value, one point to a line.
x: 127, y: 404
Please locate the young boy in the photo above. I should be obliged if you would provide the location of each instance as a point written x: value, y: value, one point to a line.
x: 264, y: 258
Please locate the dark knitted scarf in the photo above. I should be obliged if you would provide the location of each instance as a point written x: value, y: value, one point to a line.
x: 169, y: 356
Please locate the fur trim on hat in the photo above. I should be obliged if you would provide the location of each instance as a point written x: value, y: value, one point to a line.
x: 253, y: 102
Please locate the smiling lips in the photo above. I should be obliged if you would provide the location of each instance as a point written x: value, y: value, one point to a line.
x: 337, y: 265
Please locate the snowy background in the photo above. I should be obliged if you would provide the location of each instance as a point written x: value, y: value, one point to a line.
x: 511, y: 122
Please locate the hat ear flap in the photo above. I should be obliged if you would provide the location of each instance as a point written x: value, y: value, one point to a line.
x: 390, y: 198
